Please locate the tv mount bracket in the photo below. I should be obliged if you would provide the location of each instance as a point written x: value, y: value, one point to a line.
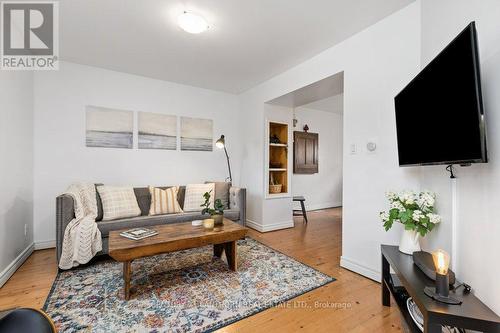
x: 449, y: 168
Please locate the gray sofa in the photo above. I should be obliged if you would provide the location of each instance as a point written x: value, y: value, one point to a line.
x: 65, y: 213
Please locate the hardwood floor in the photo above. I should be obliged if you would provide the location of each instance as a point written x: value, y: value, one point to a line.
x: 350, y: 304
x: 31, y: 283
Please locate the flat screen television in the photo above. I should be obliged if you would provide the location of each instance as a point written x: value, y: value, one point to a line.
x: 439, y: 114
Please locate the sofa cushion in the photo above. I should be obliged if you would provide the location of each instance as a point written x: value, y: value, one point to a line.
x: 143, y: 199
x: 232, y: 214
x: 222, y: 192
x: 143, y: 221
x: 164, y: 201
x: 194, y: 196
x: 118, y: 202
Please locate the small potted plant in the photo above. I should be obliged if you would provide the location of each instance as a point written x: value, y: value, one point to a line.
x: 415, y: 211
x: 216, y: 213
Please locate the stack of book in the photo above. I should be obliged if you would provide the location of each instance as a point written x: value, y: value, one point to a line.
x: 138, y: 233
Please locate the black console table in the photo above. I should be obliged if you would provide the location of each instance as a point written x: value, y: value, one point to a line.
x: 471, y: 314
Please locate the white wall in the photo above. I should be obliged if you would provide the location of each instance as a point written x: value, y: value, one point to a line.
x: 252, y: 126
x: 322, y: 189
x: 59, y: 122
x: 377, y: 63
x: 478, y: 186
x: 16, y: 170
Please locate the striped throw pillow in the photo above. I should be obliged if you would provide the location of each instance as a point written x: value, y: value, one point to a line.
x: 118, y: 202
x: 164, y: 201
x: 194, y: 196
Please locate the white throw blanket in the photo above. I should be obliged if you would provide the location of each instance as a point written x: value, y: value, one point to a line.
x: 82, y: 238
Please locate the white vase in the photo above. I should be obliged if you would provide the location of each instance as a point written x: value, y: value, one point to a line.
x: 409, y: 242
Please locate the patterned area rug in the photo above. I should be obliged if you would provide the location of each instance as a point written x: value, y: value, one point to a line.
x: 184, y: 291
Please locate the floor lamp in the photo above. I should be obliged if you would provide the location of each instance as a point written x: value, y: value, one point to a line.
x: 221, y: 143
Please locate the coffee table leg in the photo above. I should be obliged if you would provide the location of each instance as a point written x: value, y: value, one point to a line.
x: 218, y: 248
x: 126, y: 277
x: 231, y: 255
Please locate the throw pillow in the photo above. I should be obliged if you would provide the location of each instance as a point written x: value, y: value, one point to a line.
x: 164, y: 201
x: 118, y: 202
x: 194, y: 196
x: 222, y: 192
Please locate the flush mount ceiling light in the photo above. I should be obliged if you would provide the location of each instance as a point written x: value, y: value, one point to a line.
x: 192, y: 23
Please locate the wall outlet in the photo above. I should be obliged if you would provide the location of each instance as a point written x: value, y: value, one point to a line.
x: 353, y: 149
x: 25, y: 231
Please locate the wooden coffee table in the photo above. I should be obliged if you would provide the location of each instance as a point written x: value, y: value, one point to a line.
x: 175, y: 237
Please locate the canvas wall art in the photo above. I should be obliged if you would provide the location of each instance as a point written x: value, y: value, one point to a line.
x: 196, y: 134
x: 157, y: 131
x: 109, y: 128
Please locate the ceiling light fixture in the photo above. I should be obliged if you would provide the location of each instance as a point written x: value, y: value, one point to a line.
x: 192, y: 23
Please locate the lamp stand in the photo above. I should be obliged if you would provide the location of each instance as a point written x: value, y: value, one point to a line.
x: 442, y: 291
x: 228, y: 165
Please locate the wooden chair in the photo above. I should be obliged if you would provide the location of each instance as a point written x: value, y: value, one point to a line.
x: 302, y: 212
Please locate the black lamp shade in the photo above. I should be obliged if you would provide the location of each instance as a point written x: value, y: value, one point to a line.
x: 221, y: 143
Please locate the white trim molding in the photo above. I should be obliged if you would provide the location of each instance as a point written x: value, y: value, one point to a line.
x: 361, y: 269
x: 45, y: 245
x: 15, y: 264
x: 269, y: 227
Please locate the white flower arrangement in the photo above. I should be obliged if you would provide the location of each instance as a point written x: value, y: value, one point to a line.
x: 414, y: 210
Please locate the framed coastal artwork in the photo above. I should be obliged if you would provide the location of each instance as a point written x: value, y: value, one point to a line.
x: 157, y: 131
x: 109, y: 128
x: 196, y: 134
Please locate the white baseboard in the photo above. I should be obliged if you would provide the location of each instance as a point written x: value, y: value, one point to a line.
x: 269, y: 227
x: 14, y: 265
x: 361, y: 269
x: 45, y: 245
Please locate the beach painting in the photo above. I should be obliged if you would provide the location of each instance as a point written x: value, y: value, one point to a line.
x: 196, y: 134
x: 109, y: 128
x: 157, y: 131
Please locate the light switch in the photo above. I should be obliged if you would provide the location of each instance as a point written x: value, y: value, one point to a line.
x: 353, y: 148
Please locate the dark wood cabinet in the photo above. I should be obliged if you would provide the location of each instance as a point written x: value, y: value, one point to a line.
x: 305, y: 152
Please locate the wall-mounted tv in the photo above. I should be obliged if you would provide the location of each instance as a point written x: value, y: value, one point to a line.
x: 439, y: 114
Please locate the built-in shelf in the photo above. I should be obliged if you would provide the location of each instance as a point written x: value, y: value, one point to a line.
x: 278, y: 155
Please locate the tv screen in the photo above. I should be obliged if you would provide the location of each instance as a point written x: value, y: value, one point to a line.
x: 439, y: 114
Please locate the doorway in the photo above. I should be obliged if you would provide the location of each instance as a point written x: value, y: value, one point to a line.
x: 316, y: 113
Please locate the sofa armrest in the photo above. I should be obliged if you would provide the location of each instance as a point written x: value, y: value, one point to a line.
x: 238, y: 200
x: 65, y: 212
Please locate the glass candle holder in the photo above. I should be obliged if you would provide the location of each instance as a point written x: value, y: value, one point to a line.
x: 208, y: 224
